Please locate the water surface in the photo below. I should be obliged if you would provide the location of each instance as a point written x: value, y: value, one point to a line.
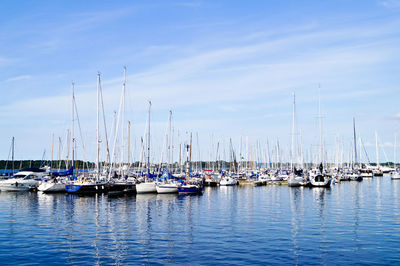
x: 350, y: 223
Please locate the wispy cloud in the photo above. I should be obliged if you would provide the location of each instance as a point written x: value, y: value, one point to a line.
x: 18, y: 78
x: 390, y: 3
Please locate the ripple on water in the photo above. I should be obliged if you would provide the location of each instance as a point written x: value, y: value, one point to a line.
x: 349, y: 223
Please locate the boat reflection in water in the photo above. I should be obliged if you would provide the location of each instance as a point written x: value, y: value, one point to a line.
x: 282, y: 225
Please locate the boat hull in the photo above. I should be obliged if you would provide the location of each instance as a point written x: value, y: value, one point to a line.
x: 49, y: 187
x: 13, y: 188
x: 320, y: 181
x: 210, y: 183
x: 395, y: 176
x: 167, y: 189
x: 147, y: 187
x: 18, y: 185
x: 86, y: 188
x: 189, y: 189
x: 121, y: 188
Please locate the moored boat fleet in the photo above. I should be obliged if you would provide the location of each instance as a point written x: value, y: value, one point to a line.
x: 78, y: 182
x: 114, y: 171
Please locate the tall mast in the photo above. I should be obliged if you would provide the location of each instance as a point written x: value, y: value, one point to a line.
x: 123, y: 117
x: 12, y: 154
x: 129, y: 143
x: 355, y: 142
x: 169, y: 139
x: 148, y: 140
x: 190, y: 154
x: 293, y: 128
x: 72, y: 129
x: 320, y: 124
x: 377, y: 149
x: 98, y: 127
x: 394, y: 152
x: 52, y: 150
x: 59, y: 153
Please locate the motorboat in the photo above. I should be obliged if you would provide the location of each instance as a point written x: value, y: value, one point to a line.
x: 227, y: 181
x: 25, y: 180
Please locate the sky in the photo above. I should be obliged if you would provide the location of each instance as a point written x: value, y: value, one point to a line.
x: 226, y: 69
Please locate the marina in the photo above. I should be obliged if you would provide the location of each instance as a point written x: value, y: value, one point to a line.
x: 198, y: 132
x: 352, y: 222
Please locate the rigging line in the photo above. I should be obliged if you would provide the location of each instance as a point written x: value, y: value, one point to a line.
x: 80, y: 130
x: 8, y: 158
x: 105, y: 126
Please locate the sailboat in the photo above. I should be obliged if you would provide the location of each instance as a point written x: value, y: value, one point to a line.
x: 167, y: 185
x: 57, y: 182
x: 396, y: 173
x: 190, y: 187
x: 377, y: 171
x: 117, y: 178
x: 149, y: 185
x: 295, y: 178
x: 318, y: 177
x: 354, y: 175
x: 85, y: 185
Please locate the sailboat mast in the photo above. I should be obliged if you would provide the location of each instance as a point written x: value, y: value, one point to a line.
x: 169, y: 139
x: 148, y: 140
x: 320, y: 125
x: 190, y: 155
x: 377, y: 149
x: 98, y: 127
x: 72, y: 130
x: 293, y: 128
x: 394, y: 152
x: 123, y: 118
x: 355, y: 142
x: 12, y: 154
x: 129, y: 143
x: 52, y: 150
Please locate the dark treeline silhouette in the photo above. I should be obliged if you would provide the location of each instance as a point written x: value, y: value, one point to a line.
x: 21, y: 164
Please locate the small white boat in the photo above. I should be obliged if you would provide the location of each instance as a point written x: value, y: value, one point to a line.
x: 52, y: 186
x: 366, y: 174
x: 146, y: 187
x: 227, y: 181
x: 354, y: 176
x: 165, y: 188
x: 295, y: 181
x: 319, y: 179
x: 396, y: 175
x: 25, y: 180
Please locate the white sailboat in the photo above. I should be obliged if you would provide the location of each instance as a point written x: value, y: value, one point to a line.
x: 294, y: 180
x: 167, y: 185
x: 149, y: 185
x: 318, y: 178
x: 228, y: 181
x: 396, y: 174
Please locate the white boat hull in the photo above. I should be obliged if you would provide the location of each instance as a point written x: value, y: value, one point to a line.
x: 146, y: 187
x: 228, y: 182
x: 52, y: 187
x: 295, y: 181
x: 167, y: 189
x: 18, y: 185
x: 395, y: 176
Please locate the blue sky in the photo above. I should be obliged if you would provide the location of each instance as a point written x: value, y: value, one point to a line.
x: 226, y: 68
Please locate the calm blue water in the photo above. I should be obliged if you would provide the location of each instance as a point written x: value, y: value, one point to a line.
x: 349, y: 223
